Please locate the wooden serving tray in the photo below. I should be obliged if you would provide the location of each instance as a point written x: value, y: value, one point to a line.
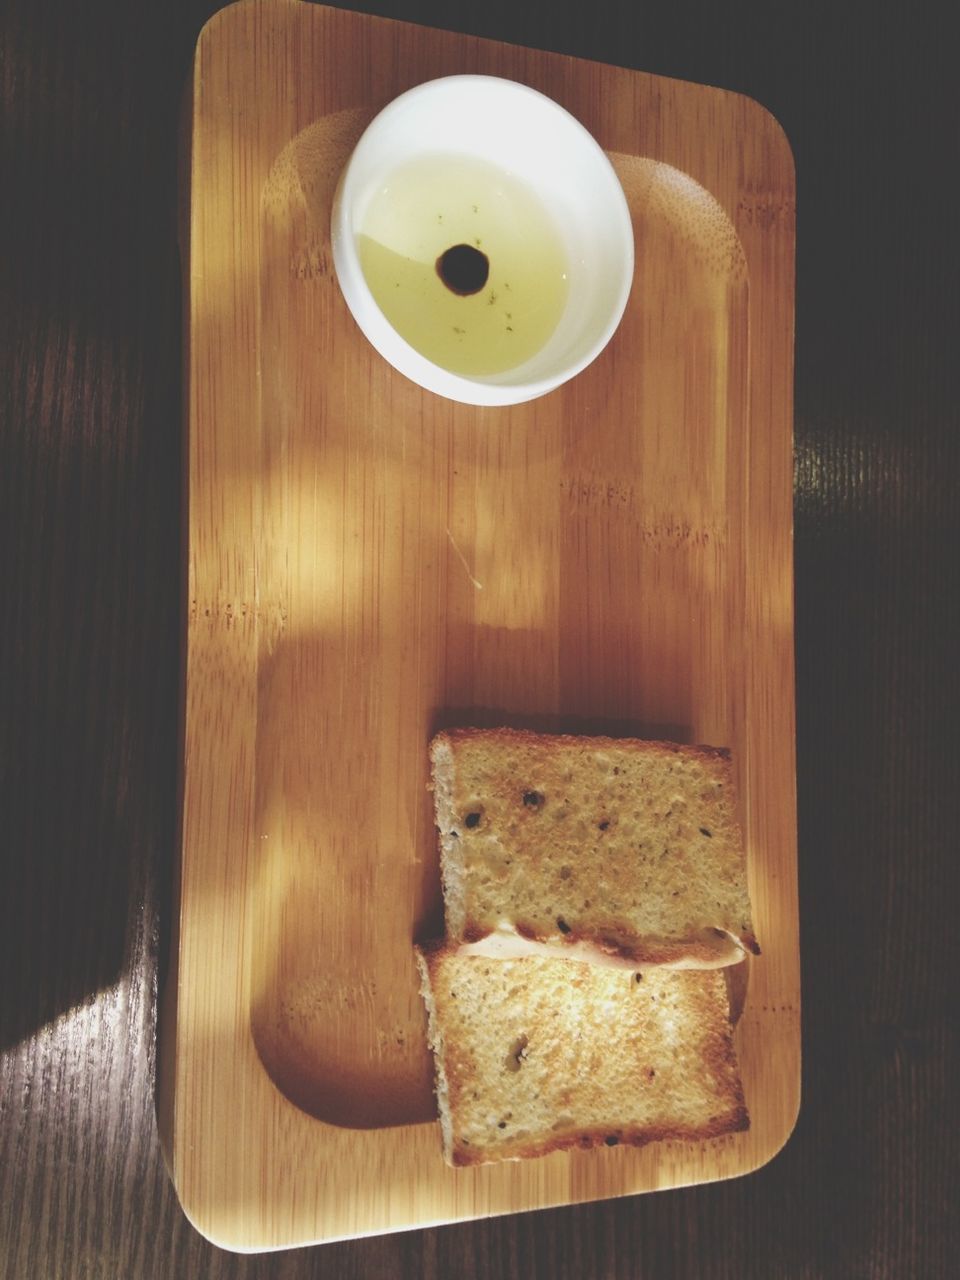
x: 368, y: 562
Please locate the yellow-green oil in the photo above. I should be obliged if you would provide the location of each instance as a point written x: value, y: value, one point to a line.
x: 436, y: 203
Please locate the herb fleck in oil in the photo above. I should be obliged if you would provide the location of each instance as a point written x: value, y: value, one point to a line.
x: 465, y: 263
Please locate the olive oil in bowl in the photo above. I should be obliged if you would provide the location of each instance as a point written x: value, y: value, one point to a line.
x: 465, y: 263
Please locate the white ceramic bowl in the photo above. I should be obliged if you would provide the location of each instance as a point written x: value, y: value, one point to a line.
x: 542, y: 232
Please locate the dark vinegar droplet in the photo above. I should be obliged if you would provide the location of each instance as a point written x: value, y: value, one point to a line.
x: 463, y: 269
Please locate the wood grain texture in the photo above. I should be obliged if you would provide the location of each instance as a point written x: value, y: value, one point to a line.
x: 367, y: 560
x: 89, y: 501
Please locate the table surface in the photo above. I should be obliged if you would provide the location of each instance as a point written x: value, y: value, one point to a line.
x: 90, y: 548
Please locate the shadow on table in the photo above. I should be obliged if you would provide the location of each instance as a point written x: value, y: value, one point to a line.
x: 89, y: 552
x: 88, y: 801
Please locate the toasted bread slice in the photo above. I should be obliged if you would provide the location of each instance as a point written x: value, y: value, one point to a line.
x: 541, y: 1054
x: 621, y: 851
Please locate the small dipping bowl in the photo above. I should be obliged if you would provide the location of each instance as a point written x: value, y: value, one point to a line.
x: 482, y: 240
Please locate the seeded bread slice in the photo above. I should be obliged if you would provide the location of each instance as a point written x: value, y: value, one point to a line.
x: 537, y: 1055
x: 621, y: 851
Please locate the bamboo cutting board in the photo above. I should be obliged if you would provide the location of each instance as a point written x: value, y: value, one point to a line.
x: 367, y: 563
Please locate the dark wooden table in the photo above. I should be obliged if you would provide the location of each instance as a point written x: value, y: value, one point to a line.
x: 90, y: 623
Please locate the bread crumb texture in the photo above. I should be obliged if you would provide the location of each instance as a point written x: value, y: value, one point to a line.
x: 540, y: 1054
x: 630, y: 844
